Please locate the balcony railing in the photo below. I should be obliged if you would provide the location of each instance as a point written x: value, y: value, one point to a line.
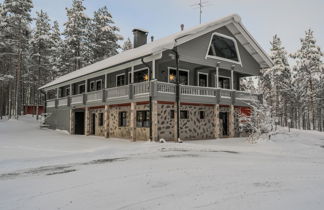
x: 160, y: 91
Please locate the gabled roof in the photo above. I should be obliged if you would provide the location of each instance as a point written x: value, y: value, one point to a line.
x: 233, y: 22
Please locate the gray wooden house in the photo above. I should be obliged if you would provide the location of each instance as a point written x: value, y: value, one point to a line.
x: 184, y: 86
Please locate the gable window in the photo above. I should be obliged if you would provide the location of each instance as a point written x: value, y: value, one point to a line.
x: 224, y: 82
x: 120, y: 80
x: 139, y: 76
x: 184, y: 114
x: 98, y: 84
x: 122, y: 119
x: 183, y: 76
x: 101, y: 119
x: 224, y: 48
x: 202, y: 79
x: 81, y: 88
x: 142, y: 119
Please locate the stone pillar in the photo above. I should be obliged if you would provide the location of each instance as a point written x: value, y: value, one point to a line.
x: 106, y: 122
x: 72, y: 122
x: 231, y: 129
x: 175, y: 121
x: 216, y: 121
x: 87, y: 122
x: 133, y: 121
x: 155, y: 136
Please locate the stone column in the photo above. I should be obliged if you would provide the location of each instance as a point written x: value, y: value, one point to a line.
x: 216, y: 121
x: 231, y: 119
x: 72, y: 122
x: 87, y: 122
x: 155, y: 136
x: 133, y: 121
x: 106, y: 117
x: 175, y: 121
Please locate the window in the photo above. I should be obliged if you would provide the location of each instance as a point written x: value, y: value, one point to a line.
x: 139, y: 76
x: 99, y: 84
x: 172, y: 113
x: 122, y: 119
x: 203, y: 79
x: 101, y: 119
x: 184, y: 114
x: 201, y: 115
x: 120, y: 80
x: 183, y: 76
x: 81, y: 88
x: 92, y: 86
x: 224, y: 82
x: 223, y: 47
x: 67, y: 91
x: 142, y: 119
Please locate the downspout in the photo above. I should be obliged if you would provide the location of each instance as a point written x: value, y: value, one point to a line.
x: 177, y: 93
x: 150, y: 97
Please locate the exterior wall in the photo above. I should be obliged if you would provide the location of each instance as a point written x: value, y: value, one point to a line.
x: 165, y: 123
x: 59, y: 119
x: 100, y: 130
x: 144, y: 132
x: 114, y: 129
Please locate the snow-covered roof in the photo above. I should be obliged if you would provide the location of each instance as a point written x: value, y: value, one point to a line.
x: 170, y: 42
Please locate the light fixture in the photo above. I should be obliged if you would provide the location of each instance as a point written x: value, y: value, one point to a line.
x: 172, y: 77
x: 146, y: 77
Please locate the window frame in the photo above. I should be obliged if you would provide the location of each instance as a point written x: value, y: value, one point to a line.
x: 118, y: 75
x: 130, y: 74
x: 101, y: 119
x: 94, y: 85
x: 221, y: 58
x: 119, y: 119
x: 67, y: 92
x: 187, y: 118
x: 99, y: 80
x: 146, y: 118
x: 79, y: 91
x: 202, y: 115
x: 186, y: 70
x: 203, y: 73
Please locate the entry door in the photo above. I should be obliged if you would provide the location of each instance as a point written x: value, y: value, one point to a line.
x: 203, y: 79
x: 93, y: 130
x: 223, y: 117
x: 79, y: 123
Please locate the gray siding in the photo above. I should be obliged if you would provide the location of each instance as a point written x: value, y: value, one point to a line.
x: 59, y: 119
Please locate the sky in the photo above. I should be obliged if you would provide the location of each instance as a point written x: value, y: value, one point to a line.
x: 263, y: 18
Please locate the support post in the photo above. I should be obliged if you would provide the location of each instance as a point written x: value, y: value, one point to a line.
x: 217, y: 75
x: 216, y: 121
x: 155, y: 136
x: 72, y: 121
x: 106, y: 121
x: 87, y: 122
x: 232, y: 78
x: 231, y: 119
x: 133, y: 121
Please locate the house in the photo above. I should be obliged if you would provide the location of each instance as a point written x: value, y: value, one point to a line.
x: 187, y: 85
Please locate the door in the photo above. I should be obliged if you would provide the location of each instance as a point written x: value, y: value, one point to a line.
x: 93, y: 124
x: 223, y: 117
x: 79, y: 123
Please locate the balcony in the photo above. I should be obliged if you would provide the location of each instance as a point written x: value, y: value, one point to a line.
x: 159, y: 91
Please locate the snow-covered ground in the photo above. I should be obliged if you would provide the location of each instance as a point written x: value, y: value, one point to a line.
x: 45, y: 169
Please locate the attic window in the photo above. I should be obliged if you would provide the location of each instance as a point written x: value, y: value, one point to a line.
x: 224, y: 48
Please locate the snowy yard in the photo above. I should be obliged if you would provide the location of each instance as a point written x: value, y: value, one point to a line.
x: 45, y: 169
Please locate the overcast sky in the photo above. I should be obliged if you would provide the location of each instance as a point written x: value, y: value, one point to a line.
x: 263, y: 18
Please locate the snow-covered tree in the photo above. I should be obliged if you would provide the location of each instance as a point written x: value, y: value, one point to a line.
x: 103, y: 35
x: 308, y: 74
x: 127, y: 45
x: 76, y: 35
x: 57, y: 58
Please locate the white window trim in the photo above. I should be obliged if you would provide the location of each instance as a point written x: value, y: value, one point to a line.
x: 203, y: 73
x: 92, y: 82
x: 99, y: 80
x: 130, y: 73
x: 179, y: 70
x: 66, y: 91
x: 79, y: 88
x: 118, y: 75
x: 226, y: 78
x: 220, y: 58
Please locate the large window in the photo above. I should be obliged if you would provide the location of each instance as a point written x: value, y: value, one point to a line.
x: 139, y: 76
x: 122, y: 119
x: 223, y: 47
x: 224, y: 82
x: 202, y: 79
x: 142, y: 119
x: 99, y: 84
x: 120, y: 80
x: 81, y: 88
x: 183, y: 76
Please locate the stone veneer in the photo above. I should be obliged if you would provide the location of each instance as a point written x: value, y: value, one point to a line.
x: 114, y: 129
x: 100, y: 130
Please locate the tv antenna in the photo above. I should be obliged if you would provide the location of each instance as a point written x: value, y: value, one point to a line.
x: 201, y: 4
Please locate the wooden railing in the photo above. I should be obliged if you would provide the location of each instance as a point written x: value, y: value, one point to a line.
x: 77, y: 99
x: 63, y: 101
x: 141, y: 88
x: 94, y: 96
x: 51, y: 103
x: 117, y: 92
x: 197, y: 91
x: 225, y: 93
x: 165, y: 87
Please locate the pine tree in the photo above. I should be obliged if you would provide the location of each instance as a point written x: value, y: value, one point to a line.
x: 76, y: 35
x: 103, y: 35
x: 308, y: 64
x: 57, y: 59
x: 127, y: 45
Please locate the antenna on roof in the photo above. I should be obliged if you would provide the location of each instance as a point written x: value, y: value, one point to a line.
x: 201, y: 4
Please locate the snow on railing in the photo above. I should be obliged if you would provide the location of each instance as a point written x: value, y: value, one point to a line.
x: 197, y: 91
x: 141, y: 88
x: 77, y: 99
x: 117, y: 92
x: 94, y: 96
x: 63, y: 101
x: 51, y: 103
x: 164, y: 87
